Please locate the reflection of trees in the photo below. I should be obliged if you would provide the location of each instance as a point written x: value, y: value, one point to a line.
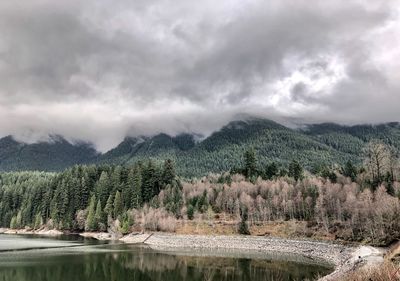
x: 144, y: 264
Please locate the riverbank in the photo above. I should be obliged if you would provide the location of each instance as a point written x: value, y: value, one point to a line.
x: 44, y: 232
x: 344, y: 259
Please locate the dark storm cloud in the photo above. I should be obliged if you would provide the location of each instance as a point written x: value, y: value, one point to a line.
x: 100, y: 70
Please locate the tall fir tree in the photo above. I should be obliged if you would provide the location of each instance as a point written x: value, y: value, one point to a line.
x: 295, y: 170
x: 149, y: 182
x: 109, y: 209
x: 103, y: 187
x: 250, y: 163
x: 135, y: 181
x: 91, y: 222
x: 118, y: 207
x: 169, y: 173
x: 99, y: 217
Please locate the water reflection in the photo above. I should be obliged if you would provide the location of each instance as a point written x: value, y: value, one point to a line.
x: 138, y: 263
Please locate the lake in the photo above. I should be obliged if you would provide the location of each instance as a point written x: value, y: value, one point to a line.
x: 72, y: 258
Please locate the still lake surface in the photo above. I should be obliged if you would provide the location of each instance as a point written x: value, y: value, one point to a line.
x: 71, y: 258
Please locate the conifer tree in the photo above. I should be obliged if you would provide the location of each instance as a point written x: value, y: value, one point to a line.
x: 295, y: 170
x: 118, y: 208
x: 271, y: 171
x: 135, y: 180
x: 350, y: 171
x: 109, y: 209
x: 99, y: 217
x: 149, y: 181
x: 91, y: 223
x: 168, y: 172
x: 103, y: 187
x: 250, y: 163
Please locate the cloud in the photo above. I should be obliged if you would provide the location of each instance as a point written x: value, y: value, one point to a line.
x: 100, y: 70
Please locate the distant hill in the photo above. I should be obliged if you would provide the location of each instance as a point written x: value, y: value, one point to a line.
x: 312, y: 145
x: 55, y: 155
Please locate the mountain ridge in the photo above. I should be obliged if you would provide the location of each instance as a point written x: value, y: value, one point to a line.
x: 313, y: 144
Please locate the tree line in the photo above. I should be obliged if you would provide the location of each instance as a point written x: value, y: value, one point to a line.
x: 82, y: 197
x: 354, y: 203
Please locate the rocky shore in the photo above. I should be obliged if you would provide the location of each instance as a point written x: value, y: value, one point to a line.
x: 44, y: 232
x: 343, y: 258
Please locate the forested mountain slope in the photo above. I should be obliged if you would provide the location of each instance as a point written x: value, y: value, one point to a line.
x: 312, y: 145
x: 55, y: 155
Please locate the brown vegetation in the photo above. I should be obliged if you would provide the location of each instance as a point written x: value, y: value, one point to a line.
x: 312, y: 207
x: 385, y: 272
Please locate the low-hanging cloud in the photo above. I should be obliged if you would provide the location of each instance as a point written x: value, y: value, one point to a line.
x: 101, y: 70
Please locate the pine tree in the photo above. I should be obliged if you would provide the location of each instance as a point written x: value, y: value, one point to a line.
x: 118, y: 208
x: 85, y: 193
x: 190, y: 212
x: 109, y: 209
x: 99, y: 217
x: 135, y: 180
x: 271, y: 171
x: 116, y: 179
x: 38, y: 221
x: 250, y: 163
x: 103, y: 187
x: 91, y: 222
x: 169, y: 174
x: 350, y: 171
x: 149, y: 182
x: 13, y: 223
x: 295, y: 170
x: 18, y: 222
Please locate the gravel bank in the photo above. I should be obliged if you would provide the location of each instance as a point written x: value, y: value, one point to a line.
x: 43, y: 232
x: 330, y: 253
x: 343, y: 258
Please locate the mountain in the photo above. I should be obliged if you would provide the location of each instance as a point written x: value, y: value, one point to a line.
x: 312, y: 145
x: 54, y: 155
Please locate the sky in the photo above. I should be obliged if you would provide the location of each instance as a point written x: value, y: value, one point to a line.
x: 100, y: 70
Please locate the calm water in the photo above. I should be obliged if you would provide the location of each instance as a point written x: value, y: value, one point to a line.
x: 24, y: 258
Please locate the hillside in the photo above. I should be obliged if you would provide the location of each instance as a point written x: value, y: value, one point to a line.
x: 55, y: 155
x: 311, y: 145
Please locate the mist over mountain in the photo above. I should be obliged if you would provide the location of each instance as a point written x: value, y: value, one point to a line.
x: 325, y: 143
x: 53, y: 155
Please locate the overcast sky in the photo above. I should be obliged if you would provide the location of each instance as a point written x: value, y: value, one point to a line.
x: 98, y: 70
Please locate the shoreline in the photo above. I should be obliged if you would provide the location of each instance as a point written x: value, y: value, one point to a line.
x: 344, y: 259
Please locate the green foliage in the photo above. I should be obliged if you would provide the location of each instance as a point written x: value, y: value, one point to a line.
x: 151, y: 184
x: 271, y: 171
x: 38, y: 221
x: 250, y: 163
x: 91, y: 223
x: 135, y: 183
x: 13, y: 223
x: 118, y: 207
x: 109, y: 209
x: 99, y: 217
x: 190, y: 211
x: 173, y: 200
x: 295, y: 170
x: 322, y: 143
x: 126, y: 223
x: 56, y: 155
x: 349, y: 170
x: 168, y: 175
